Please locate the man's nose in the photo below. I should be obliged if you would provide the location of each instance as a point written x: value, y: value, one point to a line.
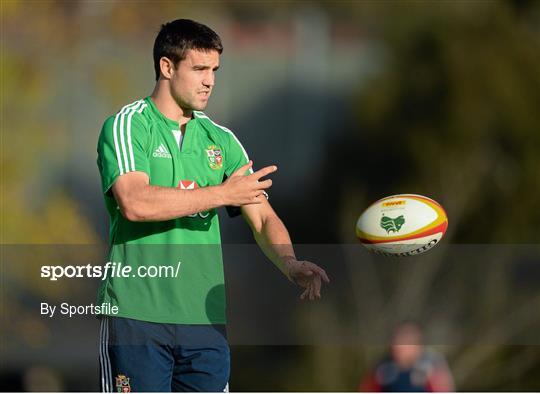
x: 209, y: 80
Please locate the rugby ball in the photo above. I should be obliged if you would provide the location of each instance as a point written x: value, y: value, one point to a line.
x: 402, y: 225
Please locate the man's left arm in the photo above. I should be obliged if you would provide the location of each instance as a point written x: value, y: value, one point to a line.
x: 273, y: 239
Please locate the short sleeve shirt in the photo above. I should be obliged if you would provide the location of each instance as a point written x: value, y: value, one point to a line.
x: 176, y: 265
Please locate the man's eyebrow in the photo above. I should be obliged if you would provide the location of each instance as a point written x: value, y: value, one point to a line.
x: 203, y: 67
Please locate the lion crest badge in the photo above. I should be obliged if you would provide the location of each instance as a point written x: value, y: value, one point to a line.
x: 215, y: 157
x: 122, y: 384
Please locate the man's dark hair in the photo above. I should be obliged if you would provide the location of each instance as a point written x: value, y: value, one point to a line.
x: 177, y: 37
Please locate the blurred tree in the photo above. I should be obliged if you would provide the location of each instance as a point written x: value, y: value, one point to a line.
x: 452, y: 115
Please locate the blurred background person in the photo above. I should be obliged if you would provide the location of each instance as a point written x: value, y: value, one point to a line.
x: 409, y: 366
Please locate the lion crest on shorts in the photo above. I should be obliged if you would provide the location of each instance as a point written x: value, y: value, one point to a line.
x: 122, y: 384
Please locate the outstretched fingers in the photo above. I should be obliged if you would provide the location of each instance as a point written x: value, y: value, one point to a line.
x: 263, y: 172
x: 264, y: 184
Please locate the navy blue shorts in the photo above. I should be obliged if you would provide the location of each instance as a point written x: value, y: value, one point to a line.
x: 141, y: 356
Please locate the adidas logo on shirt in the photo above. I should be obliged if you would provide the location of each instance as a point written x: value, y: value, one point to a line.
x: 162, y: 152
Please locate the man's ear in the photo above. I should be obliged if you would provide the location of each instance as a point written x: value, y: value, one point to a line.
x: 167, y: 67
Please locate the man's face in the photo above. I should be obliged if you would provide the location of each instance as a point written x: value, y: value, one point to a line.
x: 193, y: 79
x: 407, y: 345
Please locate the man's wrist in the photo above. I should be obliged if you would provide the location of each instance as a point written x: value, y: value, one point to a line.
x: 288, y: 262
x: 220, y: 197
x: 288, y: 259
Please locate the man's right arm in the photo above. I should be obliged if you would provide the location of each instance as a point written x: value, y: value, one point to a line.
x: 139, y: 201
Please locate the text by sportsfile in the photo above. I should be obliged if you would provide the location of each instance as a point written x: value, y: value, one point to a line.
x: 69, y: 310
x: 109, y: 270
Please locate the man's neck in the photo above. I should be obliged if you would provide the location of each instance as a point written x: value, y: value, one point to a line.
x: 166, y: 104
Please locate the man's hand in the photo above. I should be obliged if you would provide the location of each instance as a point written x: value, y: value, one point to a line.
x: 308, y: 276
x: 240, y: 189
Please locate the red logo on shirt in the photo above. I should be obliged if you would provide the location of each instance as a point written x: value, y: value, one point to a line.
x: 187, y: 185
x: 190, y: 185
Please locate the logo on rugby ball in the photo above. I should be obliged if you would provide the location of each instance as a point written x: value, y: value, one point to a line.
x: 393, y: 225
x: 402, y: 225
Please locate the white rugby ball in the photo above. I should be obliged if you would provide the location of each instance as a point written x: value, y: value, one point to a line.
x: 402, y: 225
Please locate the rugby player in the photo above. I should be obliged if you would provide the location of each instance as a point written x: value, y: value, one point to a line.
x: 165, y: 167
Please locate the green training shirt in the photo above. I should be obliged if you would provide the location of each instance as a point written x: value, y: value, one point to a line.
x: 192, y: 291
